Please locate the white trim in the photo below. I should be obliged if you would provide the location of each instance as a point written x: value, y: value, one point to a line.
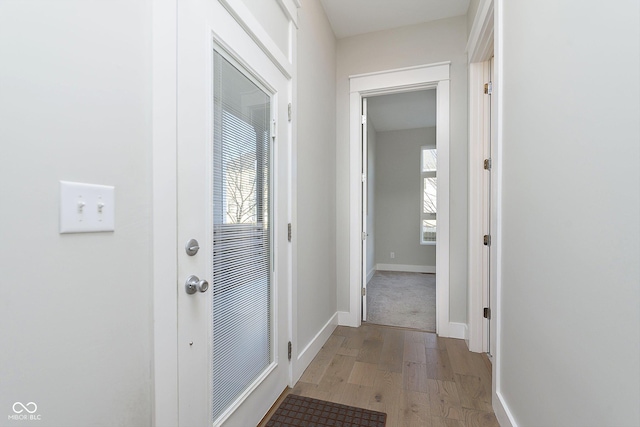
x: 305, y: 357
x: 406, y: 268
x: 474, y: 278
x: 252, y: 27
x: 164, y: 218
x: 442, y: 235
x: 345, y: 319
x: 480, y: 43
x: 435, y: 65
x: 498, y: 88
x: 293, y: 193
x: 355, y: 209
x: 371, y: 273
x: 400, y: 79
x: 393, y: 81
x: 246, y: 393
x: 479, y: 48
x: 458, y: 330
x: 290, y: 9
x: 477, y: 262
x: 364, y: 203
x: 502, y: 412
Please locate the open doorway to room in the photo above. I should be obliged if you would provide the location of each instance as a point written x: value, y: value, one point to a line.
x: 389, y: 82
x: 399, y: 197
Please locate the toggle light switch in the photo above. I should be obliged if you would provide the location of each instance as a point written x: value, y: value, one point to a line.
x: 86, y: 208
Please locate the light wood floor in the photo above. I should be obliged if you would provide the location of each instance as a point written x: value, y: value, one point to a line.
x: 417, y: 378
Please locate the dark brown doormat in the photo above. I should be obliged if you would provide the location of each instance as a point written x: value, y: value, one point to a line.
x: 302, y: 411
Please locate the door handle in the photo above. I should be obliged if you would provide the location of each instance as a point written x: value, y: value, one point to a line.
x: 194, y: 284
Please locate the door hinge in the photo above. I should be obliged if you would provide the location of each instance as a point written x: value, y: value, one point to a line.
x: 289, y: 111
x: 364, y: 119
x: 364, y: 236
x: 273, y: 129
x: 486, y: 239
x: 364, y: 292
x: 364, y: 177
x: 487, y: 164
x: 488, y: 88
x: 487, y: 313
x: 289, y: 350
x: 289, y: 232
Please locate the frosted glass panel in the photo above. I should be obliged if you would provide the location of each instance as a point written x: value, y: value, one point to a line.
x: 241, y: 234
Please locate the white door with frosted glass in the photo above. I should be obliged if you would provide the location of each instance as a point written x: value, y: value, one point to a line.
x: 233, y: 157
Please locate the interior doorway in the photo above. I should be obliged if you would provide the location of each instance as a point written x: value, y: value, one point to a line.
x: 399, y: 209
x: 434, y: 77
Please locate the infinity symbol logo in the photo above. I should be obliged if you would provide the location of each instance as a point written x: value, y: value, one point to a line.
x: 22, y: 407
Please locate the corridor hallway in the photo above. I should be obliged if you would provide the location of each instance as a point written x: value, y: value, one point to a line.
x: 417, y: 378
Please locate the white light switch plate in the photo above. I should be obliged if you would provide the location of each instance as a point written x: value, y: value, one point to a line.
x: 86, y: 208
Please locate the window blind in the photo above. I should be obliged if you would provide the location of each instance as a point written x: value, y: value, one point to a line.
x: 241, y: 289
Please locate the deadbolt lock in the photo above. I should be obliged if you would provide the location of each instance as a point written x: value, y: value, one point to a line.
x: 192, y: 247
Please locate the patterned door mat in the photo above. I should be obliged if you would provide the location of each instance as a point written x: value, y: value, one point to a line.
x: 299, y: 411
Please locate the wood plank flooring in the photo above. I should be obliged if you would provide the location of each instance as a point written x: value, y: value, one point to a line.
x: 417, y: 378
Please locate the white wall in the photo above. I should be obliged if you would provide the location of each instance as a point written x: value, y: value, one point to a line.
x: 315, y: 228
x: 570, y: 311
x: 75, y: 309
x: 398, y: 188
x: 371, y: 198
x: 443, y: 40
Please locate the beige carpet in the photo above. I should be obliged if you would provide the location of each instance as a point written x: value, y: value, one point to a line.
x: 402, y: 299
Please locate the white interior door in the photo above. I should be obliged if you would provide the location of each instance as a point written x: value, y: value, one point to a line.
x: 233, y: 157
x: 489, y: 213
x: 486, y: 206
x: 365, y: 207
x: 493, y: 255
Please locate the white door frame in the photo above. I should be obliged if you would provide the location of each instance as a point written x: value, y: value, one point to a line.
x: 486, y: 38
x: 431, y: 76
x: 164, y: 147
x: 364, y: 185
x: 165, y: 217
x: 480, y: 50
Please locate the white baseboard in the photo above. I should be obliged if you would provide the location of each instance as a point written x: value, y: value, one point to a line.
x: 370, y: 274
x: 457, y: 330
x: 346, y: 319
x: 311, y: 350
x: 407, y: 268
x: 503, y: 414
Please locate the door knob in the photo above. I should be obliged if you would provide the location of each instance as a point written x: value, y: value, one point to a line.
x: 194, y: 284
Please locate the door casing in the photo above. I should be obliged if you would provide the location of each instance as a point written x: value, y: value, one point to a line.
x: 431, y: 76
x: 365, y: 207
x: 480, y: 49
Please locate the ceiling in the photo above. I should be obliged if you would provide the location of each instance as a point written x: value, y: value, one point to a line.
x: 399, y: 111
x: 351, y: 17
